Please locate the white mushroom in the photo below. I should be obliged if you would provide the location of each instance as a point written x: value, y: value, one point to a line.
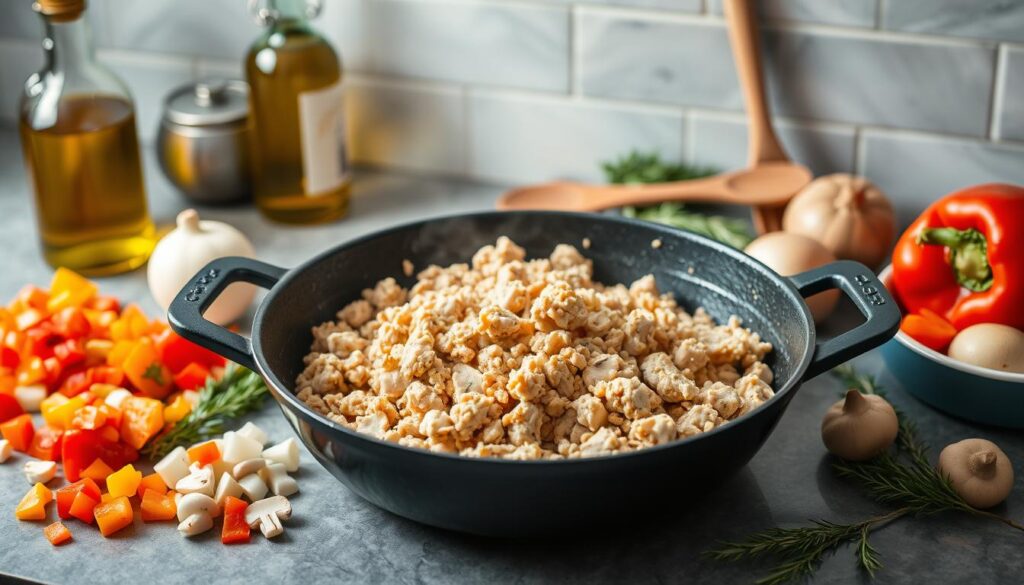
x: 200, y: 480
x: 196, y: 524
x: 276, y: 476
x: 30, y: 397
x: 173, y: 466
x: 238, y: 448
x: 196, y: 503
x: 253, y: 487
x: 227, y: 486
x: 286, y: 452
x: 268, y: 514
x: 39, y: 471
x: 5, y: 450
x: 247, y: 467
x: 253, y: 432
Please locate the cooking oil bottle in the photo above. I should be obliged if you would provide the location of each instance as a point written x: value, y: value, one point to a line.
x: 77, y: 125
x: 297, y: 145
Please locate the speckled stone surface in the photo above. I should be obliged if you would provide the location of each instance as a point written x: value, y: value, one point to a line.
x: 336, y: 537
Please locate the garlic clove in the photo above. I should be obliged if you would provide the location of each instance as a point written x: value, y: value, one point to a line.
x: 39, y: 471
x: 859, y: 427
x: 978, y: 470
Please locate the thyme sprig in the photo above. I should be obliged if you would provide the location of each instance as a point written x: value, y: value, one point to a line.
x: 237, y: 392
x: 638, y: 167
x: 902, y: 477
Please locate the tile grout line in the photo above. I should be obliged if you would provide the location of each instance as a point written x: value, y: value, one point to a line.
x: 879, y: 12
x: 859, y: 151
x: 575, y: 58
x: 998, y: 88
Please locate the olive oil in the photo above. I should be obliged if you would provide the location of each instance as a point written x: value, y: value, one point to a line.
x: 87, y: 177
x: 300, y: 168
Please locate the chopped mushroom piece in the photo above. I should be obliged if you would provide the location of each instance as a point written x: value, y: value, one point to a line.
x: 268, y: 514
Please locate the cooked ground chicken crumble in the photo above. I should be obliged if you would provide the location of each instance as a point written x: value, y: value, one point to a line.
x: 530, y: 360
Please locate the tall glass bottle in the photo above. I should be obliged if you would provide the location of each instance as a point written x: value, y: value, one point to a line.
x: 77, y: 125
x: 297, y: 145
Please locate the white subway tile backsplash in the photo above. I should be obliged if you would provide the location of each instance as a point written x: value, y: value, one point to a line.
x: 859, y: 13
x: 420, y: 128
x: 209, y: 28
x: 149, y: 79
x: 1009, y: 118
x: 987, y: 19
x: 516, y: 45
x: 721, y: 142
x: 18, y: 60
x: 845, y: 78
x: 518, y: 139
x: 690, y: 6
x: 915, y: 170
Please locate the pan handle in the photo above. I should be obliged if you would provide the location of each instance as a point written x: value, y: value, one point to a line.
x: 872, y: 299
x: 186, y: 311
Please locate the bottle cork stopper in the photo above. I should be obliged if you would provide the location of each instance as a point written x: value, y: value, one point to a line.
x: 60, y: 8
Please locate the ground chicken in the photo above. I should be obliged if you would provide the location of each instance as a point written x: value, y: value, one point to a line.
x: 530, y: 359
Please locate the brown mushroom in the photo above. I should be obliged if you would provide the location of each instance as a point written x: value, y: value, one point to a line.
x: 979, y: 471
x: 859, y: 426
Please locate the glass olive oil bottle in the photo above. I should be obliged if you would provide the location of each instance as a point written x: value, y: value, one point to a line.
x: 77, y: 125
x: 299, y: 162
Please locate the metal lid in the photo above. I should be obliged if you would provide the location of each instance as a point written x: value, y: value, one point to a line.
x: 208, y: 102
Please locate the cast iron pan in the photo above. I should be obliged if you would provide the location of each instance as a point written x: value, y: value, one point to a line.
x: 516, y: 498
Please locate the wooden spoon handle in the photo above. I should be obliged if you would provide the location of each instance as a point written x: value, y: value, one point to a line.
x: 708, y: 190
x: 762, y: 145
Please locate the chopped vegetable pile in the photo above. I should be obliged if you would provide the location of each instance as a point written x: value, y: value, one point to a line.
x: 109, y: 383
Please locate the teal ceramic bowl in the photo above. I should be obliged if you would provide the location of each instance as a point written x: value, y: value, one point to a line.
x: 963, y: 390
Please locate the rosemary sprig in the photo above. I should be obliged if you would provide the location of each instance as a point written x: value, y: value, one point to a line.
x: 237, y: 392
x: 902, y: 477
x: 637, y: 167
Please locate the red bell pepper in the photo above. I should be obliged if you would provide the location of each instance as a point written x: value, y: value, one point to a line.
x: 177, y: 353
x: 46, y: 444
x: 193, y: 377
x: 80, y: 448
x: 963, y: 258
x: 235, y: 529
x: 69, y: 353
x: 76, y: 383
x: 9, y: 408
x: 9, y: 358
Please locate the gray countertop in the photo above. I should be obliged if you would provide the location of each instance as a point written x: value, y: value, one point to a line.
x: 336, y: 536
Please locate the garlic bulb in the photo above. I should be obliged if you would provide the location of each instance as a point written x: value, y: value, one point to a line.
x: 979, y: 470
x: 859, y: 427
x: 848, y: 214
x: 185, y: 250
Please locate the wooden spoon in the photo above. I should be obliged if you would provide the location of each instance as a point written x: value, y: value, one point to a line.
x: 768, y: 183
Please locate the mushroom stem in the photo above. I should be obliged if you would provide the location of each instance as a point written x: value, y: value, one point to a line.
x: 855, y: 402
x: 982, y: 464
x: 188, y: 220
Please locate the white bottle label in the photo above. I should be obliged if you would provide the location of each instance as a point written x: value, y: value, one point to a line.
x: 322, y: 134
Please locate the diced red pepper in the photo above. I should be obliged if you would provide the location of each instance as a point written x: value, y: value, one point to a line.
x: 46, y: 444
x: 81, y: 447
x: 177, y: 353
x: 9, y: 358
x: 66, y: 495
x: 107, y: 375
x: 57, y: 533
x: 77, y: 383
x: 69, y: 353
x: 9, y: 408
x: 72, y: 323
x: 235, y: 529
x: 192, y: 377
x: 42, y: 339
x: 105, y: 303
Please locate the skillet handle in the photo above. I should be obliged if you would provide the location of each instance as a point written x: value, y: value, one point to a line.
x: 872, y: 299
x: 185, y: 314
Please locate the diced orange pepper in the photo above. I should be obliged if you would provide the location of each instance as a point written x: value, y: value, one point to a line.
x: 124, y: 481
x: 119, y: 353
x: 57, y: 533
x: 66, y: 495
x: 113, y: 415
x: 88, y: 417
x: 46, y: 444
x: 235, y: 529
x: 107, y: 498
x: 97, y: 350
x: 97, y: 471
x: 29, y: 318
x: 83, y: 507
x: 177, y: 409
x: 143, y: 368
x: 113, y: 515
x: 110, y: 434
x: 8, y: 383
x: 19, y: 431
x: 31, y: 371
x: 153, y: 483
x: 61, y: 414
x: 102, y: 390
x: 31, y: 296
x: 141, y: 419
x: 69, y: 289
x: 204, y: 453
x: 156, y: 507
x: 33, y: 505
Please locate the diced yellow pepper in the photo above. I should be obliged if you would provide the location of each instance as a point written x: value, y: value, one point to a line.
x: 33, y: 505
x: 59, y: 416
x: 68, y: 289
x: 97, y: 350
x: 124, y: 481
x: 102, y: 390
x: 120, y: 351
x: 177, y: 409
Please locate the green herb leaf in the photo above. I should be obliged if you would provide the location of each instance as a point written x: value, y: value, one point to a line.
x: 239, y: 391
x: 155, y: 373
x: 636, y: 167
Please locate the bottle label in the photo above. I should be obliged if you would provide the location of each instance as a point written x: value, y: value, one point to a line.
x: 322, y: 134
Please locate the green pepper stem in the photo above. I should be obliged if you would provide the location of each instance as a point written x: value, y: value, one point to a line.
x: 968, y: 255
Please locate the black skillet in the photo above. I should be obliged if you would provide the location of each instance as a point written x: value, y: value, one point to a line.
x: 514, y: 498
